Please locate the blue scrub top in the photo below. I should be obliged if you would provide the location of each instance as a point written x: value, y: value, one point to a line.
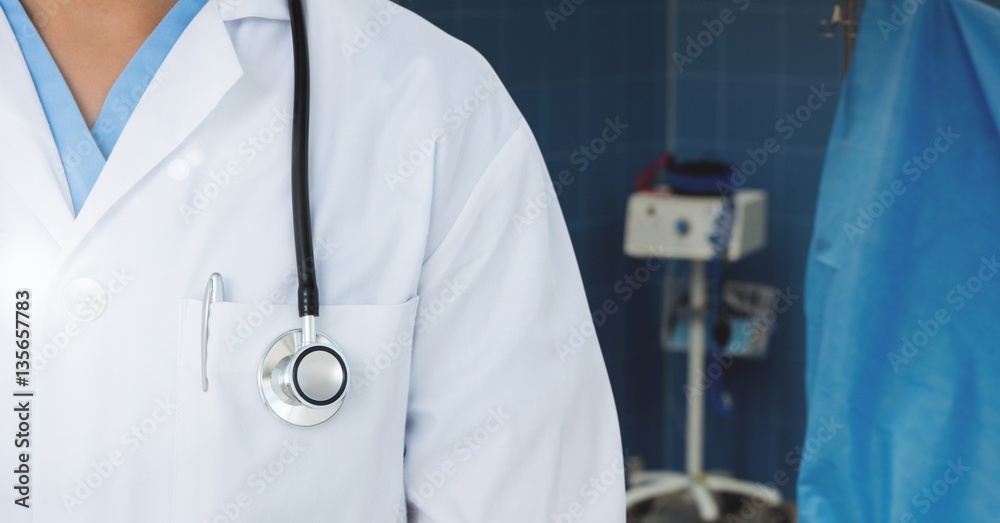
x: 85, y: 151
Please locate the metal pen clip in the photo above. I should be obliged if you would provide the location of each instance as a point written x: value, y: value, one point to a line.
x: 213, y: 292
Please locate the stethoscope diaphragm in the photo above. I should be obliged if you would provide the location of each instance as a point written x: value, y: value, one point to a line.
x: 303, y: 384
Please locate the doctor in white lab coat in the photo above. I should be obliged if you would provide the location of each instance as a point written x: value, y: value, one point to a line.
x: 447, y: 276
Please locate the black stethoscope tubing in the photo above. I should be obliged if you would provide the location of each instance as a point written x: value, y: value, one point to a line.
x: 308, y: 293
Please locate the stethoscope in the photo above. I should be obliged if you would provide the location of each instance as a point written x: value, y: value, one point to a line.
x: 303, y: 377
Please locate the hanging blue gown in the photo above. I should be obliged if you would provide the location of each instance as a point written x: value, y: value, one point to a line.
x: 903, y: 279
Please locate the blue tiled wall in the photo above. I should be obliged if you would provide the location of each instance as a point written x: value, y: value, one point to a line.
x: 608, y: 59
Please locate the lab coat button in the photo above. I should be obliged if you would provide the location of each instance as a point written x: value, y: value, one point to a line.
x: 85, y: 299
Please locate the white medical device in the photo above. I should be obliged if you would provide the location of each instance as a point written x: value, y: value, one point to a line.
x: 665, y: 225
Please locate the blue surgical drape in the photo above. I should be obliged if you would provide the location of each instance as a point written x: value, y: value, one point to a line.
x: 902, y: 291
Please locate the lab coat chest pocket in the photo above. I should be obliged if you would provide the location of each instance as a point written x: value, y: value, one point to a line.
x: 234, y: 460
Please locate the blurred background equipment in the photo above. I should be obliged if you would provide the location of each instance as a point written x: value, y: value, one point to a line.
x: 684, y: 216
x: 845, y: 16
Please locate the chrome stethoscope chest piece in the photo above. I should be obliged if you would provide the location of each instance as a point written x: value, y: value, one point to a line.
x: 303, y: 384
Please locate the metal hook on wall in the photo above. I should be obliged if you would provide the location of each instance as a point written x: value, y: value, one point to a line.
x: 847, y: 18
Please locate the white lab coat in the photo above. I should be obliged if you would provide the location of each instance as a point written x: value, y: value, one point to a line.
x: 446, y: 274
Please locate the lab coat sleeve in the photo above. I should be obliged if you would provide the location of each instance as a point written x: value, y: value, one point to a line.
x: 511, y: 416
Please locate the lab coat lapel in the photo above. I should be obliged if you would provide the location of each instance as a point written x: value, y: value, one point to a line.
x: 29, y: 160
x: 199, y: 71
